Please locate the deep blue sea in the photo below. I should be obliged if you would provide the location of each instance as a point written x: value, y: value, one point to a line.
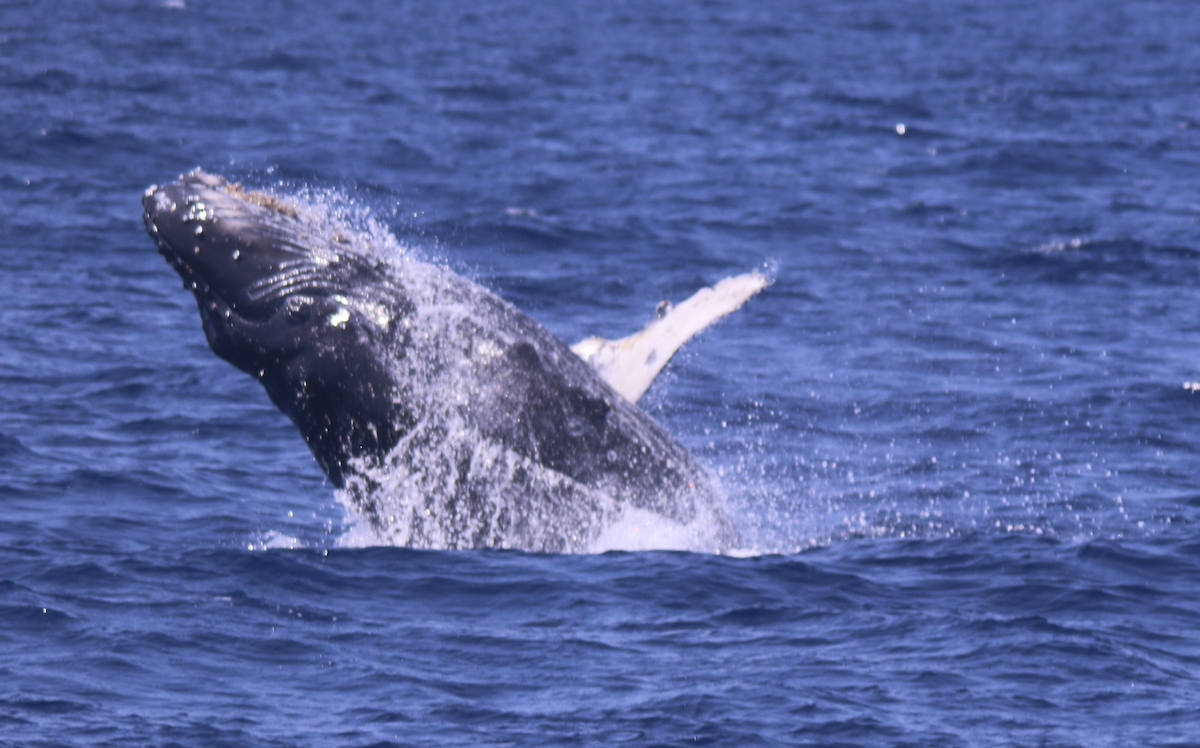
x: 954, y: 432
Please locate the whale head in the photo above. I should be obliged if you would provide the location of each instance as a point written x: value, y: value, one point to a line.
x: 290, y: 303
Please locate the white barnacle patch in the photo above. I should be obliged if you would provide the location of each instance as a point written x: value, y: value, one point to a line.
x: 340, y: 317
x: 377, y: 313
x: 198, y: 211
x: 163, y: 203
x: 486, y: 350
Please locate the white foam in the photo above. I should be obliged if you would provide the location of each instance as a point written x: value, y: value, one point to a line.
x: 640, y: 530
x: 274, y: 541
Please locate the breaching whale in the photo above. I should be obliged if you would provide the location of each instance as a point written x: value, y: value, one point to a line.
x: 446, y: 417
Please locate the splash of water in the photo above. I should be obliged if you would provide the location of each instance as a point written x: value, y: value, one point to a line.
x: 450, y: 482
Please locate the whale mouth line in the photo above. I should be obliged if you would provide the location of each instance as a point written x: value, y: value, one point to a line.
x: 208, y: 299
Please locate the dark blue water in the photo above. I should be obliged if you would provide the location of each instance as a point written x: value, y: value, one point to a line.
x: 954, y: 430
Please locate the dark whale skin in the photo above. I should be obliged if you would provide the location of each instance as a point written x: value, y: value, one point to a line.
x: 473, y: 427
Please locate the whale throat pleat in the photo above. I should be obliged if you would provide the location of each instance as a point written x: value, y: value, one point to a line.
x: 288, y: 282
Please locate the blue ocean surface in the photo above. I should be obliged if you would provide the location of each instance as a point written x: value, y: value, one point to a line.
x: 954, y: 433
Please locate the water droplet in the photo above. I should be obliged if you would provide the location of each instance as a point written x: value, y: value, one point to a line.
x: 237, y: 255
x: 612, y: 455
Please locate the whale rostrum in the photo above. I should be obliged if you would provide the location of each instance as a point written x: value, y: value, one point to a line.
x: 444, y: 416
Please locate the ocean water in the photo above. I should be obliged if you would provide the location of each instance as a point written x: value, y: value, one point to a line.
x: 955, y: 431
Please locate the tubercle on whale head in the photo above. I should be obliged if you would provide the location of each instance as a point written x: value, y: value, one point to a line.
x: 275, y: 299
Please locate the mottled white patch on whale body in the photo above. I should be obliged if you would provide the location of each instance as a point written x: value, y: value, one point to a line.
x: 340, y: 317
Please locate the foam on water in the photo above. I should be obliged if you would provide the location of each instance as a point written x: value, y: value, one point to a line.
x: 639, y: 530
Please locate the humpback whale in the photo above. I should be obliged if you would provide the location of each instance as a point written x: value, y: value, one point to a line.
x: 444, y: 416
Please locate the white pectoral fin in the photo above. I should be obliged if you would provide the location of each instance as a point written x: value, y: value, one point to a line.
x: 630, y: 365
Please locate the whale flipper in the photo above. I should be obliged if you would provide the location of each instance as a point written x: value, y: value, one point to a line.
x: 630, y: 365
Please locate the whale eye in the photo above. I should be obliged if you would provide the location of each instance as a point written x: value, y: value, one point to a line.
x: 576, y: 426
